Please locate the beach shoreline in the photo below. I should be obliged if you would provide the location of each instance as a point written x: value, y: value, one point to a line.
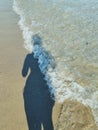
x: 12, y: 54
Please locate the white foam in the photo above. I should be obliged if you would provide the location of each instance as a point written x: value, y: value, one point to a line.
x: 27, y: 34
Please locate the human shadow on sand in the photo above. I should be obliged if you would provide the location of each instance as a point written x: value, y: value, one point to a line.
x: 38, y: 103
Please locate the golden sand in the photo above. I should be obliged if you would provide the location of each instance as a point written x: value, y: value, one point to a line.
x: 12, y: 115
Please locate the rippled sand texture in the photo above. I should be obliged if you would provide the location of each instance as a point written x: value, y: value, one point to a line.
x: 75, y: 116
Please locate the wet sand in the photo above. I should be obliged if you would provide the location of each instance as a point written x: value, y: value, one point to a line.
x: 12, y: 54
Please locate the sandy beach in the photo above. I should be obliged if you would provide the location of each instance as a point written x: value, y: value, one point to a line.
x: 12, y: 54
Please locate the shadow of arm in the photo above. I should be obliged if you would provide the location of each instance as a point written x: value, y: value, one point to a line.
x: 25, y: 67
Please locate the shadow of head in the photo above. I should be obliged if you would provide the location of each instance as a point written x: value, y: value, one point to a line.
x: 48, y: 58
x: 36, y: 40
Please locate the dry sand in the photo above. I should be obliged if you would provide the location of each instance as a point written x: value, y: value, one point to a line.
x: 12, y: 54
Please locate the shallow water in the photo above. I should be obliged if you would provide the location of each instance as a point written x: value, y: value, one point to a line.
x: 69, y: 30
